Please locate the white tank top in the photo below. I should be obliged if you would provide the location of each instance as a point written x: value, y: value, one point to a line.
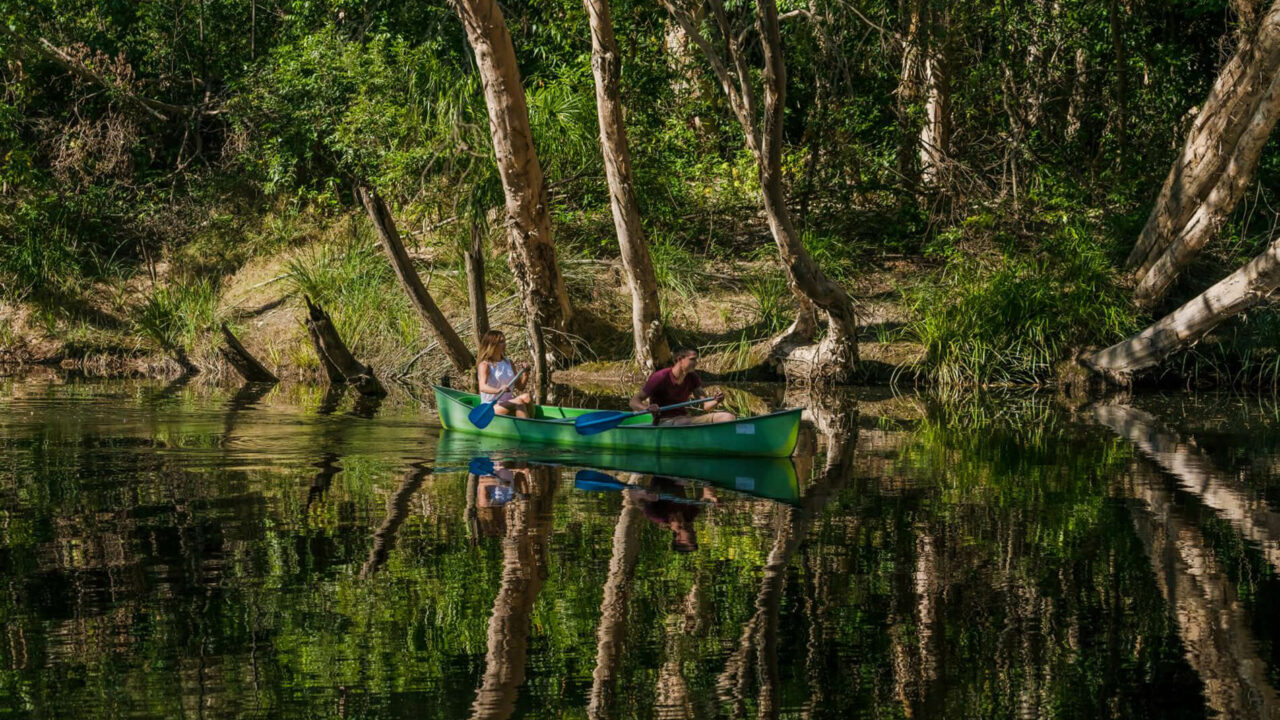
x: 500, y: 373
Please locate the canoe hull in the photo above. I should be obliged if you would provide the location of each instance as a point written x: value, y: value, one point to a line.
x: 764, y: 477
x: 772, y: 435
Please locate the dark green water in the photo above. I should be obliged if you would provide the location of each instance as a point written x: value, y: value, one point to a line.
x: 170, y: 552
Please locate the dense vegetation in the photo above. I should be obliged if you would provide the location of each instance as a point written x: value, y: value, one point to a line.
x: 149, y: 152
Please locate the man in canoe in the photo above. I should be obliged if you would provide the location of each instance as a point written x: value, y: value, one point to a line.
x: 677, y: 384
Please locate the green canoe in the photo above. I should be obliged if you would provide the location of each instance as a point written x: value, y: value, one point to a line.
x: 770, y: 478
x: 772, y: 435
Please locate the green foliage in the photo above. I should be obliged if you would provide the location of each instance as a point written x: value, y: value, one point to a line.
x: 771, y: 300
x: 173, y: 316
x: 1011, y: 317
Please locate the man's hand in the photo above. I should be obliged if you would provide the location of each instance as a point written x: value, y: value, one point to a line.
x: 713, y: 402
x: 654, y: 407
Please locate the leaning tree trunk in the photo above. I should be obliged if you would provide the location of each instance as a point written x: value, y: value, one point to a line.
x: 1183, y: 327
x: 446, y: 336
x: 1215, y: 209
x: 1231, y: 117
x: 835, y: 358
x: 533, y: 255
x: 652, y: 350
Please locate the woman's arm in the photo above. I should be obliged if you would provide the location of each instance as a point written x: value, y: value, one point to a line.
x: 482, y: 372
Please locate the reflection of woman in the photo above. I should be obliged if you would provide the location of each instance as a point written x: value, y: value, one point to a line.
x: 664, y: 503
x: 491, y: 493
x: 527, y: 529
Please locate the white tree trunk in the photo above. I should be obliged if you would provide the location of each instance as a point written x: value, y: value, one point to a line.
x: 533, y: 254
x: 1212, y: 139
x: 652, y: 350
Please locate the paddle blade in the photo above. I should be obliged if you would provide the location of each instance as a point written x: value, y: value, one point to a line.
x: 598, y: 422
x: 481, y: 415
x: 594, y: 481
x: 480, y: 466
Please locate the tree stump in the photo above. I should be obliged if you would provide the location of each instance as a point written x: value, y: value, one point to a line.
x: 339, y: 363
x: 244, y: 363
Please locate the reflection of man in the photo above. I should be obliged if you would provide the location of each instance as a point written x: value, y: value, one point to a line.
x: 666, y: 504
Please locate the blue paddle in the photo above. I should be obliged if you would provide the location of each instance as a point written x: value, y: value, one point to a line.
x: 482, y: 414
x: 480, y: 466
x: 598, y: 422
x: 596, y: 481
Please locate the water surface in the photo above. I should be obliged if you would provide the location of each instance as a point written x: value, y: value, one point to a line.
x: 175, y: 552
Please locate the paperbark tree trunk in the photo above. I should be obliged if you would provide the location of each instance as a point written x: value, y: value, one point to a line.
x: 1218, y: 205
x: 474, y: 260
x: 652, y: 350
x: 935, y: 136
x: 1229, y: 111
x: 1183, y: 327
x: 459, y: 356
x: 910, y: 90
x: 835, y: 358
x: 533, y: 254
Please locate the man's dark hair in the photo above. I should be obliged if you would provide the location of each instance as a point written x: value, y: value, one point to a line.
x: 682, y: 353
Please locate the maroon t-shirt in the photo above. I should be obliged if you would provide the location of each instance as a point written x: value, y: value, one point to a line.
x: 662, y: 389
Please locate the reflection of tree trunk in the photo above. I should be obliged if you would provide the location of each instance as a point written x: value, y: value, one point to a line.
x: 1215, y: 632
x: 650, y: 342
x: 1183, y: 327
x: 673, y: 697
x: 384, y: 538
x: 385, y: 225
x: 760, y: 632
x: 524, y: 566
x: 1217, y: 161
x: 533, y: 254
x: 613, y: 608
x: 1196, y: 474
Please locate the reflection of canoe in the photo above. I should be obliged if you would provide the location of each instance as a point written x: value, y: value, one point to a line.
x: 772, y: 435
x: 772, y: 478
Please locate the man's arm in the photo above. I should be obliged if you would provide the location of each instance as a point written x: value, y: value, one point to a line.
x: 640, y: 403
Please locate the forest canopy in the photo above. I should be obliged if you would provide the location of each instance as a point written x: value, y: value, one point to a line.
x: 971, y: 177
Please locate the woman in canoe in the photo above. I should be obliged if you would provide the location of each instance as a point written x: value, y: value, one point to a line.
x: 677, y: 384
x: 493, y: 373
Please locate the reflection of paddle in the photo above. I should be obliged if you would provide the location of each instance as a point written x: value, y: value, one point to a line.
x: 481, y: 415
x: 480, y: 466
x: 596, y: 481
x: 598, y: 422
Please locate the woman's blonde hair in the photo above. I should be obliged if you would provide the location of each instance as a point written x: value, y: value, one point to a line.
x: 491, y: 346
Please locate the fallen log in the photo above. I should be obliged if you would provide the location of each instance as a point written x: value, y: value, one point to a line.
x: 244, y: 363
x: 335, y: 356
x: 1185, y: 326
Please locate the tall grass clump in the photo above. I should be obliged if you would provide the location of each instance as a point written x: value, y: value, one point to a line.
x: 771, y: 300
x: 174, y: 316
x: 674, y: 267
x: 354, y: 283
x: 1009, y: 318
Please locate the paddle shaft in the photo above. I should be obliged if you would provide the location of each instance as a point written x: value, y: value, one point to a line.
x: 686, y: 403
